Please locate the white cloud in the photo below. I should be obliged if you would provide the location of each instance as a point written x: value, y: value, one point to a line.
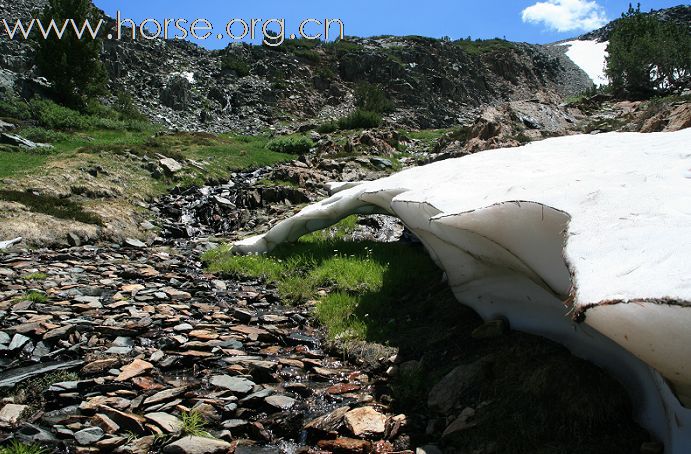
x: 566, y: 15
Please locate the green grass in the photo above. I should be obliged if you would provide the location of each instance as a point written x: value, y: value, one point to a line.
x: 17, y: 447
x: 14, y: 163
x: 53, y: 206
x: 425, y: 135
x: 35, y: 277
x: 35, y: 297
x: 367, y: 281
x: 194, y: 424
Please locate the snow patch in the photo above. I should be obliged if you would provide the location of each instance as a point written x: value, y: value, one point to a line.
x: 592, y: 225
x: 591, y: 57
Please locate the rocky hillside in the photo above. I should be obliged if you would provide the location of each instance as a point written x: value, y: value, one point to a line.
x: 432, y: 83
x: 679, y: 14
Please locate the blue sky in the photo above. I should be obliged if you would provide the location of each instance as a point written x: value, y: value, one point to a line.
x: 534, y: 21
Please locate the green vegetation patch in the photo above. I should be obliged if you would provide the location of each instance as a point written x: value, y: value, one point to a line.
x: 53, y: 206
x: 20, y: 162
x: 484, y: 46
x: 17, y: 447
x: 360, y: 119
x: 367, y: 282
x: 235, y: 63
x: 296, y: 144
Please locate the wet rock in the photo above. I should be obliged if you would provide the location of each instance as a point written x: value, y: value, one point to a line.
x: 329, y: 423
x: 197, y: 445
x: 280, y: 402
x: 365, y: 421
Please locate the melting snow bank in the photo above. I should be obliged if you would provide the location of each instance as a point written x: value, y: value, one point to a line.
x: 585, y: 240
x: 591, y: 57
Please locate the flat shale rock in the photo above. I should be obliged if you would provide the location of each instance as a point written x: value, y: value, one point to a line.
x: 197, y: 445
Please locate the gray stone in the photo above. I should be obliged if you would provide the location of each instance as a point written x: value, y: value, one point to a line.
x: 19, y: 141
x: 280, y: 402
x: 460, y: 424
x: 73, y: 239
x: 89, y: 436
x: 135, y: 243
x: 119, y: 350
x: 170, y: 165
x: 197, y: 445
x: 445, y: 394
x: 18, y: 341
x: 31, y: 433
x: 122, y: 341
x: 234, y: 384
x: 10, y: 243
x: 428, y: 449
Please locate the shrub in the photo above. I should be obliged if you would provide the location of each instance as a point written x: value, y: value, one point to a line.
x: 14, y: 107
x: 51, y: 115
x: 647, y: 55
x: 308, y: 55
x: 290, y: 144
x: 328, y: 128
x: 125, y: 106
x: 234, y: 63
x: 372, y: 98
x: 360, y: 119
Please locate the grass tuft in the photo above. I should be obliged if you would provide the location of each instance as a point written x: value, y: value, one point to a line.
x: 17, y: 447
x: 194, y: 424
x: 35, y: 297
x: 35, y: 277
